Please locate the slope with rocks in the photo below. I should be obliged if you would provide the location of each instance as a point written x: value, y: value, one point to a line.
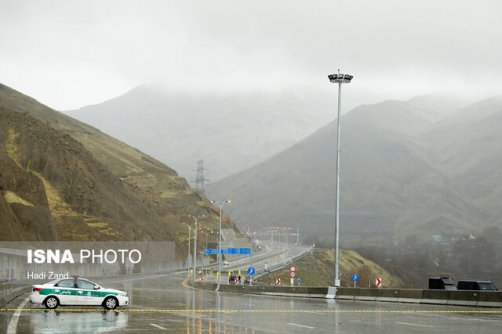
x: 76, y: 183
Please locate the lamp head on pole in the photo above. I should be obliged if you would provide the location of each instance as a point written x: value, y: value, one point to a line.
x: 340, y: 78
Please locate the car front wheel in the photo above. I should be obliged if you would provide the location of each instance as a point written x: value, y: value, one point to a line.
x: 110, y: 303
x: 51, y: 302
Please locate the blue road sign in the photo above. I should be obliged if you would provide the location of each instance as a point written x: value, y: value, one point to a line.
x: 236, y: 251
x: 299, y: 280
x: 245, y: 251
x: 251, y: 271
x: 355, y: 278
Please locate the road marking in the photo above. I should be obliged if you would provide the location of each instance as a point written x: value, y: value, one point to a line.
x: 159, y: 327
x: 12, y: 329
x: 317, y: 311
x: 298, y: 325
x: 411, y: 324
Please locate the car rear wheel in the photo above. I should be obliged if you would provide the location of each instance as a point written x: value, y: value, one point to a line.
x: 51, y: 302
x: 110, y: 303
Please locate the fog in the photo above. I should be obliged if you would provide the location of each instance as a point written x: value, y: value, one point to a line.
x: 71, y: 54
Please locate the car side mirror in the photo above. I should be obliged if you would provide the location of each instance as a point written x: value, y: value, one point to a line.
x: 97, y: 287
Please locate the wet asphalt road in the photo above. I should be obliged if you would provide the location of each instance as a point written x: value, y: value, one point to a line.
x: 162, y: 304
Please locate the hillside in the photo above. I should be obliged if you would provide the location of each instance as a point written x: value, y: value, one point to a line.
x: 393, y: 181
x: 318, y: 270
x: 229, y: 131
x: 467, y: 148
x: 64, y: 180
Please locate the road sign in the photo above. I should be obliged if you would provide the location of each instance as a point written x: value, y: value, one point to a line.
x: 277, y: 281
x: 378, y: 282
x: 292, y: 281
x: 251, y: 271
x: 355, y: 278
x: 293, y: 274
x: 245, y: 251
x: 299, y: 280
x: 236, y: 251
x: 293, y: 268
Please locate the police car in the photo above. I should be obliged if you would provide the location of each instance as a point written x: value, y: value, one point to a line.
x: 77, y: 291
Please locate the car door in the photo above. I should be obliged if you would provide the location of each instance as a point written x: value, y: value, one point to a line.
x: 85, y: 292
x: 65, y: 291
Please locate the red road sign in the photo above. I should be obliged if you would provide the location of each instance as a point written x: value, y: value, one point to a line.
x: 277, y: 281
x: 293, y: 274
x: 293, y: 268
x: 378, y: 282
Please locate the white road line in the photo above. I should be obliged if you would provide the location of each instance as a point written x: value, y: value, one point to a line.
x: 159, y: 327
x: 411, y: 324
x: 12, y: 329
x: 298, y: 325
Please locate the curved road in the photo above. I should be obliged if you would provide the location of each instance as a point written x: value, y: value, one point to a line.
x: 162, y: 304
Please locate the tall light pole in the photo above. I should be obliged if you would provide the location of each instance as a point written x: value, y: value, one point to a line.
x: 189, y: 256
x: 339, y: 79
x: 195, y: 247
x: 220, y: 206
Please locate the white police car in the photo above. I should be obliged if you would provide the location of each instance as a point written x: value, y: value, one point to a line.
x: 76, y: 291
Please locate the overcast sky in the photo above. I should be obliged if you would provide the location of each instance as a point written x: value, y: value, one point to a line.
x: 68, y: 54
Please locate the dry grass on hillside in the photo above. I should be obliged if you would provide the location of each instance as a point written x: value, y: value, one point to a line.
x: 318, y: 270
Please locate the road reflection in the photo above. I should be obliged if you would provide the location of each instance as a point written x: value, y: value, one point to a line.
x: 52, y: 321
x: 216, y: 321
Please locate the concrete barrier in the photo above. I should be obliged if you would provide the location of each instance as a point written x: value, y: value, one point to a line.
x: 286, y: 291
x: 463, y: 298
x: 388, y: 295
x: 489, y: 299
x: 346, y: 293
x: 410, y: 296
x: 435, y: 297
x: 366, y: 294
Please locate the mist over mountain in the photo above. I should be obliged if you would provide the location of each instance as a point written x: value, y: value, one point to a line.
x: 229, y: 131
x: 401, y: 174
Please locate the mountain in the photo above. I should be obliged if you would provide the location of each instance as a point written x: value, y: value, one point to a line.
x: 468, y: 149
x: 392, y: 182
x: 230, y: 132
x: 61, y: 179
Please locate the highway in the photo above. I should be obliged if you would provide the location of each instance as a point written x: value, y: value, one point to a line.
x: 163, y: 304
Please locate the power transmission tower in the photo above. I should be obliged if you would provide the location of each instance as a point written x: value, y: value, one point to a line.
x: 200, y: 179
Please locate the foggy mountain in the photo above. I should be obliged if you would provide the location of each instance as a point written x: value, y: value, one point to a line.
x: 401, y: 174
x: 229, y: 131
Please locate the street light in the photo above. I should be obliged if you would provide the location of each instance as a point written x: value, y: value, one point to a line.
x: 189, y: 256
x: 195, y: 247
x: 339, y: 79
x: 220, y: 206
